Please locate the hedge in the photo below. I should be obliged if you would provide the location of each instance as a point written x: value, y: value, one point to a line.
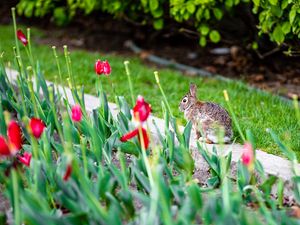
x: 278, y: 19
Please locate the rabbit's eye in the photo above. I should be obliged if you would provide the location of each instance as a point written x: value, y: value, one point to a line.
x: 184, y: 100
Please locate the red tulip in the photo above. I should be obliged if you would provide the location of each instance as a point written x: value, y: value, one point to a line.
x: 14, y: 136
x: 248, y: 155
x: 145, y: 138
x: 129, y: 135
x: 102, y: 67
x: 141, y: 110
x: 68, y: 172
x: 37, y: 127
x: 25, y: 159
x: 134, y: 133
x: 99, y: 67
x: 76, y: 113
x: 21, y: 36
x: 106, y: 68
x: 4, y: 149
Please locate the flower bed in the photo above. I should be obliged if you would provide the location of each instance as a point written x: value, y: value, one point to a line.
x: 62, y: 165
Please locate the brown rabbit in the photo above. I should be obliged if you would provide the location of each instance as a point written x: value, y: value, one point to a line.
x: 207, y: 118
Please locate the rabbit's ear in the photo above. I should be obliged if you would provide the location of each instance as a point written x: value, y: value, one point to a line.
x: 193, y: 90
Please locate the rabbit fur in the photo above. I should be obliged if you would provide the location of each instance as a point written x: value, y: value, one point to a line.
x: 208, y: 118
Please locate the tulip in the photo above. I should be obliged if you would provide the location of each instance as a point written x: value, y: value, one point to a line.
x: 102, y: 67
x: 141, y: 110
x: 106, y: 68
x: 21, y: 36
x: 4, y: 149
x: 134, y: 133
x: 76, y: 113
x: 145, y: 138
x: 25, y: 159
x: 247, y: 155
x: 68, y: 172
x: 99, y: 67
x: 14, y: 136
x: 37, y: 127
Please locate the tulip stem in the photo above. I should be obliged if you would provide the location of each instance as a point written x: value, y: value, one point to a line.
x: 148, y: 168
x: 126, y: 63
x: 29, y: 53
x: 13, y: 12
x: 68, y: 63
x: 112, y: 87
x: 83, y: 149
x: 162, y: 92
x: 233, y: 115
x: 296, y: 106
x: 59, y: 72
x: 53, y: 108
x: 16, y: 207
x: 30, y: 86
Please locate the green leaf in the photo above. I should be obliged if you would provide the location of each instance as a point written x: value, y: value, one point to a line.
x: 277, y: 11
x: 284, y: 4
x: 266, y: 186
x: 194, y: 193
x: 202, y: 41
x: 199, y: 14
x: 129, y: 148
x: 214, y: 36
x: 286, y: 27
x: 280, y: 195
x: 213, y: 181
x: 2, y: 119
x: 158, y: 13
x: 273, y: 2
x: 254, y: 45
x: 206, y: 14
x: 190, y: 7
x: 218, y: 13
x: 204, y: 29
x: 278, y: 35
x: 256, y: 2
x: 292, y: 15
x: 153, y: 5
x: 158, y: 24
x: 187, y: 133
x: 229, y: 3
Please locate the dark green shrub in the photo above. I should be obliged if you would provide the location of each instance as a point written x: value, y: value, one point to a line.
x: 279, y: 19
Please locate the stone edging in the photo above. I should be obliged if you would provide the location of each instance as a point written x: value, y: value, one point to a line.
x: 272, y: 164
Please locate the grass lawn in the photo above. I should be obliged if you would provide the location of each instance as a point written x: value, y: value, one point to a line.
x: 255, y: 110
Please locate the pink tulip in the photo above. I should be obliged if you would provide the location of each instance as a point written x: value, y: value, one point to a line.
x: 76, y: 113
x: 99, y: 67
x: 25, y: 159
x: 106, y: 68
x: 248, y: 154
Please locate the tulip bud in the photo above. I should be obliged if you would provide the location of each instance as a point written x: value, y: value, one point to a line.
x: 21, y: 36
x: 76, y: 113
x: 37, y: 127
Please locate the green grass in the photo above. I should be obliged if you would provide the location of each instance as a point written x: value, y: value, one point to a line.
x: 255, y: 110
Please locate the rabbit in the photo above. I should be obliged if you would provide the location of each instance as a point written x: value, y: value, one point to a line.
x: 207, y: 118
